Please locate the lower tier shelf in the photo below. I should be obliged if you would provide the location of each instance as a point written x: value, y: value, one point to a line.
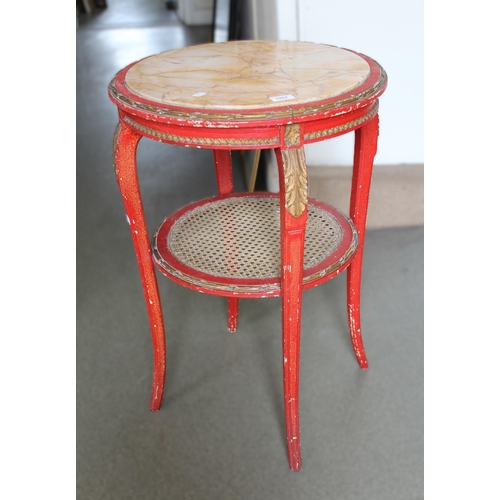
x: 230, y: 245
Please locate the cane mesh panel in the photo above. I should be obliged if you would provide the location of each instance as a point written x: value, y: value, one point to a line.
x: 240, y: 237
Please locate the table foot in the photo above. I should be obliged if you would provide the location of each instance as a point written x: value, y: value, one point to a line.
x: 232, y: 314
x: 353, y: 311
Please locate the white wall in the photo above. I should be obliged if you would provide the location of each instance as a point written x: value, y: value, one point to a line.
x: 270, y: 19
x: 389, y: 31
x: 195, y: 12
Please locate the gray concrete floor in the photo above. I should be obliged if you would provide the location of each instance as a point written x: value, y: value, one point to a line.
x: 220, y: 432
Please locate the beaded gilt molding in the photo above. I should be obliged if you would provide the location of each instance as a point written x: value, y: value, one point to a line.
x: 344, y: 127
x: 205, y: 141
x: 290, y: 137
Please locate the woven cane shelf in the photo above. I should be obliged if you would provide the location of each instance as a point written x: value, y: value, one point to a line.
x: 230, y: 245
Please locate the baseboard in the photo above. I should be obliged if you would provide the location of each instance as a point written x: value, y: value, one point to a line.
x: 396, y: 194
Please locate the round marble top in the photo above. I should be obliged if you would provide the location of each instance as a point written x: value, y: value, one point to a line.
x: 247, y: 74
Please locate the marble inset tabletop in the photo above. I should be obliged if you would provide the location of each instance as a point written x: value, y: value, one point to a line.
x: 247, y: 74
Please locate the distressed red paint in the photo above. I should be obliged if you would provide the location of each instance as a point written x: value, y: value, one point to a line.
x: 223, y: 131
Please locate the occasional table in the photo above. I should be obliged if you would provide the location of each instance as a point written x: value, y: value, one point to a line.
x: 251, y: 95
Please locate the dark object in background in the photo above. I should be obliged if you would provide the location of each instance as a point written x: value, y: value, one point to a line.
x: 226, y: 23
x: 171, y: 5
x: 89, y: 6
x: 260, y: 179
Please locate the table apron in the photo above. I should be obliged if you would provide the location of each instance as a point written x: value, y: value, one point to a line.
x: 248, y: 136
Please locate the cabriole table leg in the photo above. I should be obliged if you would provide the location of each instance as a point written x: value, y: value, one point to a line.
x: 125, y: 147
x: 365, y: 148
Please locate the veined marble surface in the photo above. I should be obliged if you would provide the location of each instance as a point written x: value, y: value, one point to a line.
x: 247, y: 74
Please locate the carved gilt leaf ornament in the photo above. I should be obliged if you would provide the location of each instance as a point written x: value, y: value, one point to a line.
x: 294, y: 164
x: 295, y: 172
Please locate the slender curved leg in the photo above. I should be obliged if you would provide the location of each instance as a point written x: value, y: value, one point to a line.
x: 365, y: 148
x: 125, y: 147
x: 224, y: 172
x: 293, y: 219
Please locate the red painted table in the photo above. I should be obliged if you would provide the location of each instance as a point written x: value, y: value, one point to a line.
x: 251, y: 95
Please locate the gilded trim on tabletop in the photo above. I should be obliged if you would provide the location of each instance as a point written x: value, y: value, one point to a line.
x: 283, y: 113
x: 345, y: 126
